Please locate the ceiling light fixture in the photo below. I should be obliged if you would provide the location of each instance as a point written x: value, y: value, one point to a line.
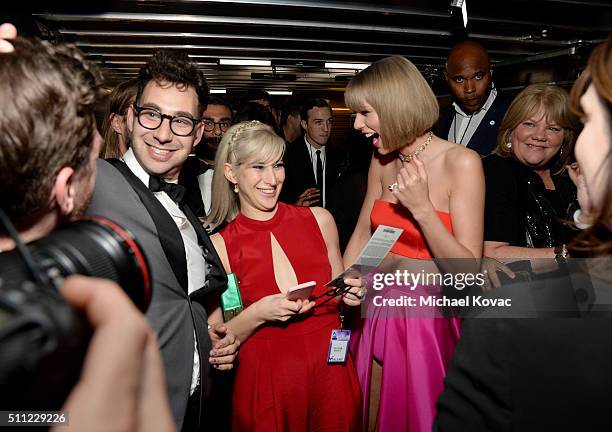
x: 280, y: 92
x: 218, y: 91
x: 244, y: 62
x: 353, y: 66
x: 462, y: 6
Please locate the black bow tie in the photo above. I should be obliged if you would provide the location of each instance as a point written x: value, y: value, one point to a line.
x: 175, y: 191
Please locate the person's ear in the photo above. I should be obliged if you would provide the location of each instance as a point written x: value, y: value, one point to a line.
x: 129, y: 121
x: 64, y: 190
x: 198, y: 133
x: 230, y: 175
x: 115, y: 121
x: 304, y: 124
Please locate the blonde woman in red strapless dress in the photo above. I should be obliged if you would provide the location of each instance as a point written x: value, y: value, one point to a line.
x: 283, y: 381
x: 434, y: 190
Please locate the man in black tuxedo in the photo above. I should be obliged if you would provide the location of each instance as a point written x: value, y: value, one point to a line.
x: 141, y: 194
x: 474, y: 117
x: 311, y: 166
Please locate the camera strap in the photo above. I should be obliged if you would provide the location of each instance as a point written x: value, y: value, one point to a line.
x: 39, y: 276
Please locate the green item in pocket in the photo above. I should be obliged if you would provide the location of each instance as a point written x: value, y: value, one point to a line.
x: 231, y: 302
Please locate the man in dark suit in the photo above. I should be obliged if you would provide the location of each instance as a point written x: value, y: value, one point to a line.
x: 311, y: 166
x: 474, y: 117
x: 141, y: 193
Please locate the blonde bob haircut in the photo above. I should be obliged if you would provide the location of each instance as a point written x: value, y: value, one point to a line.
x: 556, y: 104
x: 406, y: 106
x: 245, y: 142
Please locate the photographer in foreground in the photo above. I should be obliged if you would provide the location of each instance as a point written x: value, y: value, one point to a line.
x: 47, y: 171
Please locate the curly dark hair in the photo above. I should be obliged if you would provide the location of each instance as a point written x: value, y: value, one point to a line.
x: 174, y: 67
x: 47, y: 122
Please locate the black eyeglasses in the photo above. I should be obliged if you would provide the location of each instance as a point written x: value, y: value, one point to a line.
x: 209, y: 125
x: 151, y: 119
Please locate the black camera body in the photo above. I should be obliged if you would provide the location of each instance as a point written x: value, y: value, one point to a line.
x: 43, y: 341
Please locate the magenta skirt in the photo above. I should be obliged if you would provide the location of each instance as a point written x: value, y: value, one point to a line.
x: 415, y: 353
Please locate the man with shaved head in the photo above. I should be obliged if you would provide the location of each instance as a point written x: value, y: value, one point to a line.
x: 474, y: 117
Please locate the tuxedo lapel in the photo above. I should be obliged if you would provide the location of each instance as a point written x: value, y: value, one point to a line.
x: 216, y: 279
x: 476, y: 141
x: 169, y: 235
x: 485, y: 136
x: 307, y: 173
x: 444, y: 122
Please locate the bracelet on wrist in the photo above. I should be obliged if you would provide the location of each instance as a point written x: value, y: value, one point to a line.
x: 561, y: 253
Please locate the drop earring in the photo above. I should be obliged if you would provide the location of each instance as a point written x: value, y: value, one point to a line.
x: 509, y: 145
x: 236, y: 187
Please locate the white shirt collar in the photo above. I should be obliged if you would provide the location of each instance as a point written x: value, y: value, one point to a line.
x: 485, y: 107
x: 130, y: 160
x: 314, y: 149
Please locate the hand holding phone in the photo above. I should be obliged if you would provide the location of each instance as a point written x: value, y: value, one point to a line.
x: 301, y: 291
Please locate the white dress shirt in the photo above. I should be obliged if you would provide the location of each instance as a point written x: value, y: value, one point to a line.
x: 205, y: 182
x: 312, y: 151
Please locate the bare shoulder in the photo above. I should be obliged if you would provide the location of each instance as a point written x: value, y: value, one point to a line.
x: 323, y: 216
x: 217, y: 240
x: 327, y: 226
x: 459, y: 158
x: 326, y: 222
x: 219, y: 245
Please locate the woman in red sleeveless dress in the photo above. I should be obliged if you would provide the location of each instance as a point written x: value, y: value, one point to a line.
x: 434, y: 191
x: 283, y: 380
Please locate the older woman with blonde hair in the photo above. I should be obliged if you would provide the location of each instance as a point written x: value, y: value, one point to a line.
x: 530, y: 197
x: 434, y: 190
x: 284, y: 381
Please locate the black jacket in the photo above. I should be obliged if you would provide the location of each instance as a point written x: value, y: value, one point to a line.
x: 299, y: 174
x: 520, y: 211
x: 484, y: 139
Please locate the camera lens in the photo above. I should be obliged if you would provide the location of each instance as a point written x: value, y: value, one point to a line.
x: 42, y: 339
x: 96, y: 247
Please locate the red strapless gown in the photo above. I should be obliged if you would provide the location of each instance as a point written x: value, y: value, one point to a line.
x: 415, y: 352
x: 283, y: 381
